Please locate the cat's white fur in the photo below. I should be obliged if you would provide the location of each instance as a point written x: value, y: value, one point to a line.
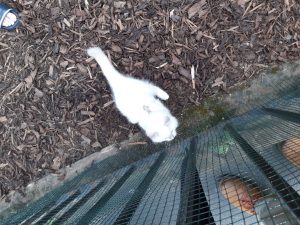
x: 138, y: 100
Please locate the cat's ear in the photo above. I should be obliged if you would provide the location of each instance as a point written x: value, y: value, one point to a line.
x: 147, y: 108
x: 160, y: 93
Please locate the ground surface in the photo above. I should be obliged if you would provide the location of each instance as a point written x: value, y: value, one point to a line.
x: 55, y: 106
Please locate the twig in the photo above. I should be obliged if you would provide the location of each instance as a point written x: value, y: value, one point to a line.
x: 162, y: 65
x: 193, y: 77
x: 255, y: 8
x: 248, y: 7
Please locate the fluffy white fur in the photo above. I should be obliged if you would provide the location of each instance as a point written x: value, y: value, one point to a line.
x: 138, y: 100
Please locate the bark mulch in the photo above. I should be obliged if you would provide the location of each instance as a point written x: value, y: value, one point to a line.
x: 55, y: 105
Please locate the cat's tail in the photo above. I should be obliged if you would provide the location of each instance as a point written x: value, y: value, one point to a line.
x: 106, y: 66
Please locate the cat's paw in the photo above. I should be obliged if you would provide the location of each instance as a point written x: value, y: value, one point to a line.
x: 161, y: 93
x: 132, y: 120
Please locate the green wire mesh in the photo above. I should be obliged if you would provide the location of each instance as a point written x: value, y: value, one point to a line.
x: 180, y: 183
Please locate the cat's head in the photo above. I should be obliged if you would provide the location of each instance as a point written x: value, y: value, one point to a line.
x: 161, y: 127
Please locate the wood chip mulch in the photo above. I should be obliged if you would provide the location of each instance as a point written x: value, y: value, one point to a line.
x: 55, y: 105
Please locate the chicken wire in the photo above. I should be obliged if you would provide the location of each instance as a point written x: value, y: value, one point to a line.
x: 180, y: 183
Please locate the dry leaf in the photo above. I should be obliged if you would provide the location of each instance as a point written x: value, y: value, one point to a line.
x: 119, y: 4
x: 175, y: 60
x: 240, y: 2
x: 96, y: 144
x: 56, y: 163
x: 30, y: 78
x: 37, y: 135
x: 196, y: 8
x: 20, y: 165
x: 2, y: 165
x: 17, y: 88
x: 20, y: 147
x: 50, y: 82
x: 93, y: 24
x: 85, y: 140
x: 85, y: 131
x: 55, y: 11
x: 63, y: 49
x: 82, y: 69
x: 120, y: 25
x: 139, y: 64
x: 80, y: 13
x: 61, y: 176
x: 37, y: 94
x: 184, y: 72
x: 116, y: 48
x: 218, y: 82
x: 3, y: 119
x: 64, y: 64
x: 287, y: 3
x: 23, y: 125
x: 38, y: 156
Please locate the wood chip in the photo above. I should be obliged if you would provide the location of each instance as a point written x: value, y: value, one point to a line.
x: 51, y: 71
x: 86, y: 121
x: 197, y: 8
x: 87, y: 113
x: 67, y: 22
x: 108, y: 104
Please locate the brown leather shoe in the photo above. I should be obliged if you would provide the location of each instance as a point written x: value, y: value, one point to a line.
x: 291, y: 150
x: 240, y: 194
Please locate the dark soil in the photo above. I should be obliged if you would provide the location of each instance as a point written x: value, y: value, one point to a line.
x: 55, y: 105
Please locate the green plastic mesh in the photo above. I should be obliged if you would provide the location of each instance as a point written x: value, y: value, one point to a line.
x: 181, y: 182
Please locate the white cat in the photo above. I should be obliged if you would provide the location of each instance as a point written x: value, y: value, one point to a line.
x: 137, y: 100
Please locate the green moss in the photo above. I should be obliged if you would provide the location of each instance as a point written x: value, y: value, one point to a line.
x: 199, y: 118
x: 274, y: 70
